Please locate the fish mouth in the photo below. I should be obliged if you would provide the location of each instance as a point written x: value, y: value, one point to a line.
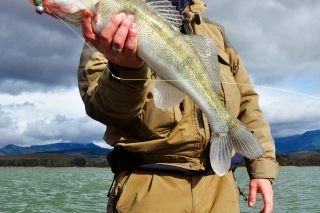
x: 53, y: 8
x: 52, y: 13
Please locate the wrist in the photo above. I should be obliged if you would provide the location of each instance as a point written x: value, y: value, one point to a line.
x: 128, y: 73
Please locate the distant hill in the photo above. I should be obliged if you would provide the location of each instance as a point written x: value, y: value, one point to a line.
x: 11, y: 149
x: 308, y: 141
x: 84, y: 152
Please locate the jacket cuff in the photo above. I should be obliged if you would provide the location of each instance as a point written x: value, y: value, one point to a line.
x: 262, y: 168
x: 127, y: 73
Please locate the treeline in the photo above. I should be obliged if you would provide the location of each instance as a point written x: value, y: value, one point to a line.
x: 290, y: 160
x: 283, y: 160
x: 76, y: 162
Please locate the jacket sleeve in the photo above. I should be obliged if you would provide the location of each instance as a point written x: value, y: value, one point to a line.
x: 111, y: 94
x: 252, y: 116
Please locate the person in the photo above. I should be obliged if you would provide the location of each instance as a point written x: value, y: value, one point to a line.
x: 160, y: 158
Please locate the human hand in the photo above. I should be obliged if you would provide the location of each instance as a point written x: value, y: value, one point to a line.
x: 118, y: 41
x: 264, y: 187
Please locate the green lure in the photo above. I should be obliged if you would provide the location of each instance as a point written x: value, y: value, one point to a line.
x: 39, y: 6
x: 37, y: 2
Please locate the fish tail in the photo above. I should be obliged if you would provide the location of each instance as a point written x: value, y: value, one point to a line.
x: 238, y: 138
x: 244, y: 142
x: 220, y: 153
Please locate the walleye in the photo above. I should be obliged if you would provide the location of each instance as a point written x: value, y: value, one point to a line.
x: 187, y: 63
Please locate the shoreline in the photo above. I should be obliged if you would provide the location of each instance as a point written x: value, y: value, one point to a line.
x: 84, y: 167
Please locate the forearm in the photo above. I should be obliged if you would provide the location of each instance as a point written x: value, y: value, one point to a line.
x: 121, y: 100
x: 252, y: 116
x: 107, y: 99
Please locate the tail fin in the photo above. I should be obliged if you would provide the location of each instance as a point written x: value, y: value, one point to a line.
x: 245, y: 142
x: 220, y: 153
x: 239, y: 138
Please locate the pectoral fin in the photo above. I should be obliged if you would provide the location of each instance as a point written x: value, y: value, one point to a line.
x: 166, y: 95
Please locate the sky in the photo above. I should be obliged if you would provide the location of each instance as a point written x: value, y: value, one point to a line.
x: 278, y: 42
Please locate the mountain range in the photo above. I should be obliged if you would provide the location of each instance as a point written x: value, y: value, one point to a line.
x: 308, y: 141
x: 63, y: 147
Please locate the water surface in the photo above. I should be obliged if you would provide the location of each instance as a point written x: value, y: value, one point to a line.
x: 32, y: 190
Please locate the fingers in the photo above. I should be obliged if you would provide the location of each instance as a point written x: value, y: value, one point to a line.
x: 268, y: 202
x: 87, y: 31
x: 132, y: 40
x: 111, y: 36
x: 118, y: 40
x: 264, y: 187
x: 120, y: 37
x: 252, y: 194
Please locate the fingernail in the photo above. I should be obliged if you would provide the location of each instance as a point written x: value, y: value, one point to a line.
x: 120, y: 16
x: 129, y: 17
x: 251, y: 204
x: 86, y: 14
x: 133, y: 26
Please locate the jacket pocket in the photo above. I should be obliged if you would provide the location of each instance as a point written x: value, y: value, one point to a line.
x: 155, y: 123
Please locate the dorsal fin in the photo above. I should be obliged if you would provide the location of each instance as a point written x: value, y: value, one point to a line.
x: 163, y: 7
x: 167, y: 11
x: 208, y: 56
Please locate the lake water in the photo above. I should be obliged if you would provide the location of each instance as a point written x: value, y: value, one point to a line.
x: 32, y: 190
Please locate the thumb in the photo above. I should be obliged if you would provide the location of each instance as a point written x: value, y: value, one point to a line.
x: 87, y: 29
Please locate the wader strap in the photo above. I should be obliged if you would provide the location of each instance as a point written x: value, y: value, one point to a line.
x: 113, y: 197
x: 243, y: 195
x: 111, y: 186
x: 240, y: 192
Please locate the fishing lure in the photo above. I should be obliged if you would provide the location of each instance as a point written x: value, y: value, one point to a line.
x: 39, y: 6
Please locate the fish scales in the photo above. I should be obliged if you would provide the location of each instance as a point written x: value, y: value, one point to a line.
x: 188, y: 62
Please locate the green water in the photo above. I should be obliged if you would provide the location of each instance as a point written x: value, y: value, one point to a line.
x: 297, y: 190
x: 53, y: 190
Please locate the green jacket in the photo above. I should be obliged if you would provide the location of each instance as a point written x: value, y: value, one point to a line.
x: 178, y: 136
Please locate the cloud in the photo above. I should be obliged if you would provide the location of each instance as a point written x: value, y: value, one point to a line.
x: 276, y: 39
x: 40, y: 103
x: 39, y: 52
x: 289, y: 113
x: 285, y: 120
x: 42, y: 118
x: 6, y: 121
x: 8, y: 128
x: 61, y: 128
x: 47, y: 130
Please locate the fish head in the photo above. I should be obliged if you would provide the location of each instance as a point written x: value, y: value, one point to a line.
x: 64, y: 9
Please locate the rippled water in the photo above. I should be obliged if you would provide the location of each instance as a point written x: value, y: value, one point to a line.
x: 53, y: 190
x: 297, y: 190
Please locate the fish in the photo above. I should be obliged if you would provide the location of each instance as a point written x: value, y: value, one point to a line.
x: 185, y: 65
